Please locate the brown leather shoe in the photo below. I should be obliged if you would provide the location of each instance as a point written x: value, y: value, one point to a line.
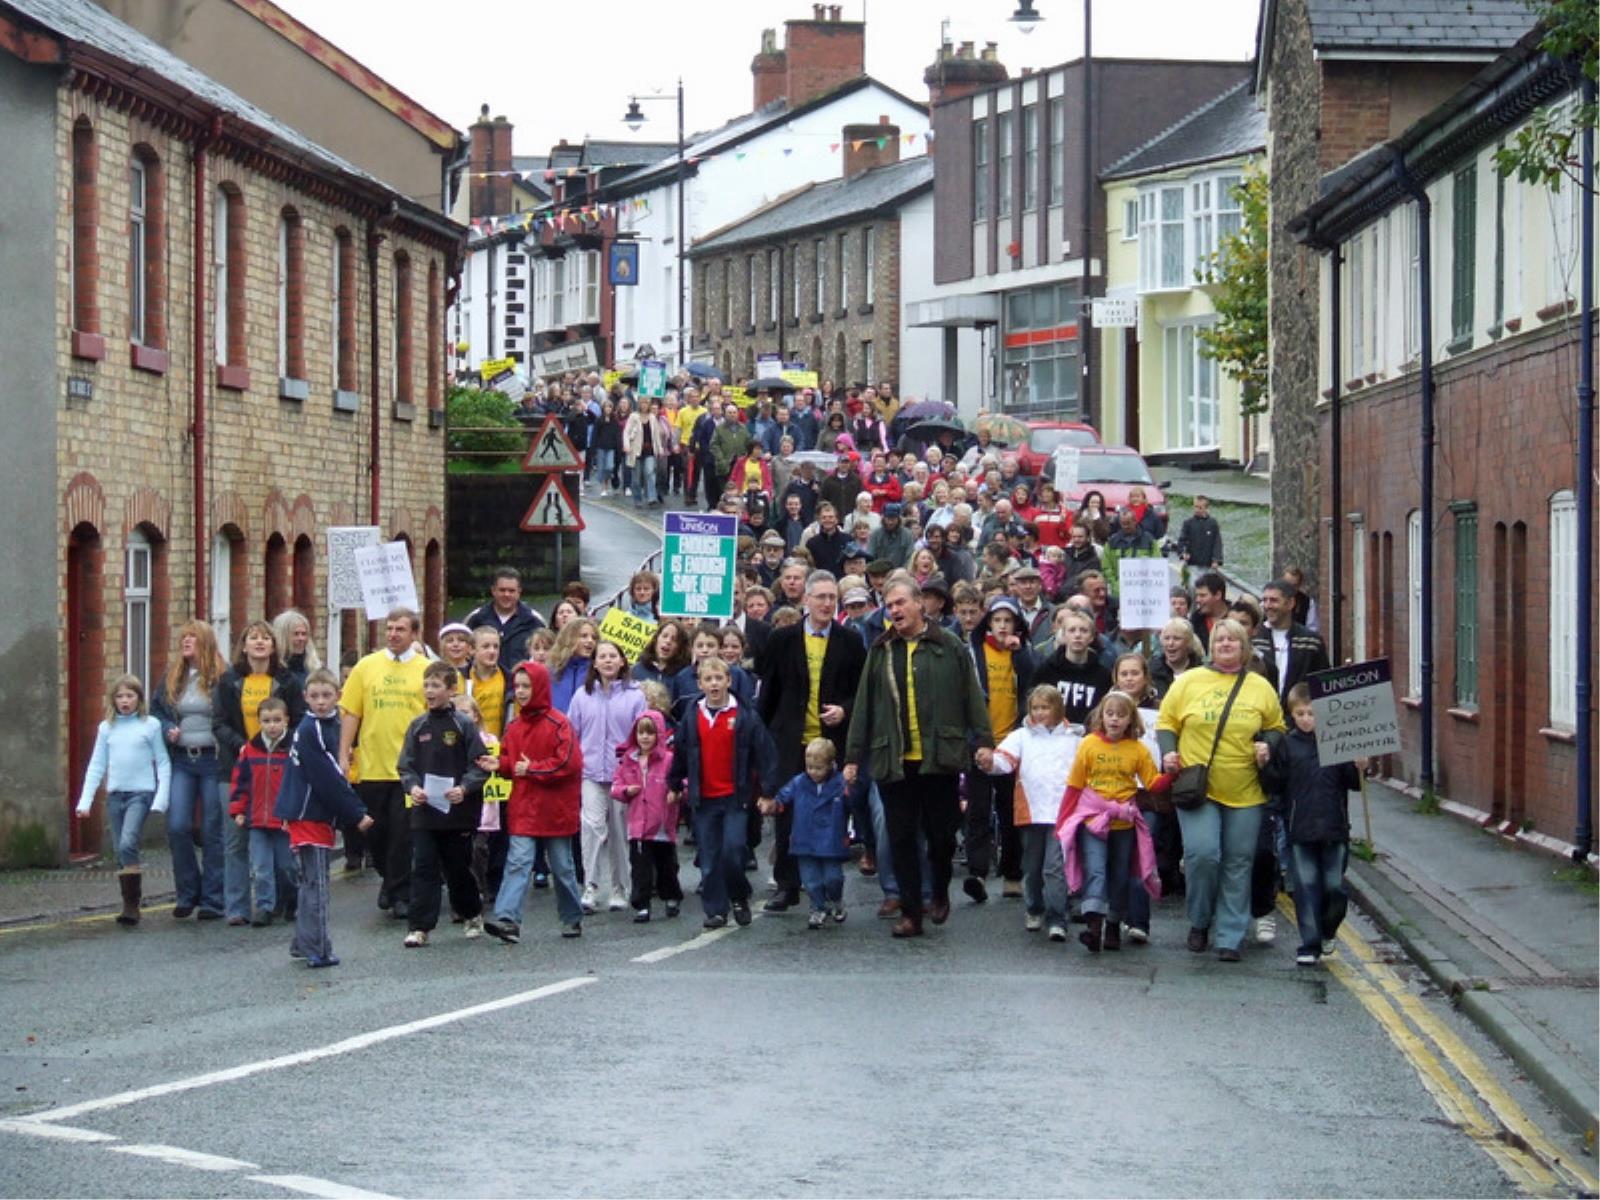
x: 869, y: 864
x: 889, y: 909
x: 907, y: 927
x: 939, y: 911
x: 1111, y: 937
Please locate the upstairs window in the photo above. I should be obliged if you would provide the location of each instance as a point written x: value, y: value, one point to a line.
x: 980, y: 170
x: 1003, y: 128
x: 1161, y: 240
x: 1463, y: 251
x: 1030, y: 158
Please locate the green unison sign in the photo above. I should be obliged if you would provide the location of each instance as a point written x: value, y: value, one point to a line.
x: 699, y: 558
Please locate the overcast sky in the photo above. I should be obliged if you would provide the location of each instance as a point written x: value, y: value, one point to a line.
x: 565, y: 68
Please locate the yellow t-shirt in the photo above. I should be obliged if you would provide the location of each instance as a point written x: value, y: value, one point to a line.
x: 1002, y: 690
x: 490, y: 695
x: 816, y: 647
x: 253, y: 689
x: 914, y: 731
x: 1191, y: 709
x: 1114, y: 769
x: 687, y: 416
x: 387, y: 696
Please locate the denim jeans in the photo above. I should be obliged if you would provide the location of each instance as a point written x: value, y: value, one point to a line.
x: 125, y: 812
x: 236, y: 866
x: 196, y: 795
x: 823, y: 879
x: 627, y: 476
x: 1219, y: 844
x: 644, y: 480
x: 721, y: 825
x: 605, y: 462
x: 271, y: 869
x: 519, y: 869
x: 1044, y: 874
x: 1135, y: 906
x: 1105, y: 870
x: 311, y: 938
x: 1319, y: 896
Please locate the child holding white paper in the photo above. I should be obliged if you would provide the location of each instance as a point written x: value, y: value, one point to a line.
x: 442, y: 766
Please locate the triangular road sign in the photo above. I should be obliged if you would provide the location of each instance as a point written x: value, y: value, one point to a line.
x: 552, y: 510
x: 551, y: 449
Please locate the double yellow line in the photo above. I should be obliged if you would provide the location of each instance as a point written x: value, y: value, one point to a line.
x: 1467, y: 1093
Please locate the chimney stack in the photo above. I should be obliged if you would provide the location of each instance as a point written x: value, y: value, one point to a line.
x: 818, y: 55
x: 861, y: 148
x: 489, y: 162
x: 960, y: 72
x: 769, y: 69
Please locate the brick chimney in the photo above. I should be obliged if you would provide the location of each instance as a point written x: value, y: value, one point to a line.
x: 862, y: 151
x: 489, y: 193
x: 770, y: 70
x: 960, y: 71
x: 822, y: 53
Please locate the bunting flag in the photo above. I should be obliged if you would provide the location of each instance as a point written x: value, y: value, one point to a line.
x: 833, y: 147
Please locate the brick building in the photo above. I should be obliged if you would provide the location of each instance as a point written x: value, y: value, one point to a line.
x: 1336, y: 77
x: 222, y: 339
x: 1503, y: 525
x: 816, y: 276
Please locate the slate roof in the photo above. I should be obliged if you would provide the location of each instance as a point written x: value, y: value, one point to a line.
x: 1228, y: 126
x: 1429, y: 25
x: 626, y: 154
x: 829, y: 203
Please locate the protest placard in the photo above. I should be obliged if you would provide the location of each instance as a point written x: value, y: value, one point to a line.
x: 629, y: 632
x: 386, y: 579
x: 1067, y: 460
x: 1143, y: 585
x: 1355, y: 710
x: 698, y: 559
x: 344, y: 581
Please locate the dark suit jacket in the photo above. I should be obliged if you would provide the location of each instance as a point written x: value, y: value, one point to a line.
x: 786, y: 686
x: 1307, y: 653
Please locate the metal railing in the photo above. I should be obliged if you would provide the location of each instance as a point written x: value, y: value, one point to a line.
x: 652, y: 562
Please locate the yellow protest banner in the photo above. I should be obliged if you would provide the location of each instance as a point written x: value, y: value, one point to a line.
x: 739, y: 396
x: 609, y: 380
x: 627, y: 631
x: 496, y: 790
x: 800, y: 379
x: 490, y: 367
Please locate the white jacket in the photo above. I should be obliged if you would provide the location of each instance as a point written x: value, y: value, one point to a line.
x: 1040, y: 757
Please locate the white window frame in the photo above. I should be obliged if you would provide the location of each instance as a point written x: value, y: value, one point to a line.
x: 1004, y: 198
x: 1563, y: 610
x: 1030, y: 158
x: 558, y: 293
x: 538, y: 293
x: 219, y: 275
x: 1058, y: 152
x: 869, y: 262
x: 774, y: 283
x: 868, y: 365
x: 138, y: 296
x: 573, y: 279
x: 1130, y: 219
x: 1202, y: 214
x: 1358, y: 587
x: 1412, y: 233
x: 843, y: 251
x: 1355, y: 272
x: 137, y: 578
x: 794, y: 280
x: 820, y: 247
x: 589, y: 286
x: 1191, y: 393
x: 980, y: 170
x: 1414, y: 604
x: 1158, y: 228
x: 222, y: 588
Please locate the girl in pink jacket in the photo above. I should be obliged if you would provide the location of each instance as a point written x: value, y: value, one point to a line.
x: 640, y: 783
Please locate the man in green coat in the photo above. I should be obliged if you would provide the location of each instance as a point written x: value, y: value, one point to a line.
x: 919, y: 714
x: 729, y: 442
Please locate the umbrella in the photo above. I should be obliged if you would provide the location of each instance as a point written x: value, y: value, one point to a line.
x: 704, y: 370
x: 928, y: 410
x: 820, y: 458
x: 928, y: 431
x: 1008, y: 431
x: 768, y: 383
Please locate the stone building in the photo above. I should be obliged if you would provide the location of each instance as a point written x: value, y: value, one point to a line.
x: 222, y: 339
x: 1337, y: 77
x: 816, y: 275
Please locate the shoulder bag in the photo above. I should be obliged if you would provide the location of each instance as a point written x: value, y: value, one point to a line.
x: 1189, y: 788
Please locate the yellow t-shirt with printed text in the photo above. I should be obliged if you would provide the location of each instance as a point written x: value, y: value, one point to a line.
x: 1191, y: 709
x: 253, y: 689
x: 387, y: 696
x: 1114, y: 769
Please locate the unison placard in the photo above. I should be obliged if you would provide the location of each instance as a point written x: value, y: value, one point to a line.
x: 1355, y: 710
x: 699, y: 557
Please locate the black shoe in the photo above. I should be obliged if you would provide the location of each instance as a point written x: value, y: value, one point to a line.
x: 1199, y: 939
x: 714, y: 921
x: 741, y: 913
x: 180, y: 911
x: 399, y: 910
x: 208, y: 914
x: 507, y: 931
x: 383, y: 899
x: 541, y: 880
x: 1228, y: 954
x: 973, y: 886
x: 672, y: 908
x: 780, y: 903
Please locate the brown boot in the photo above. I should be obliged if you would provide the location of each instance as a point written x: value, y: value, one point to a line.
x: 1111, y: 939
x: 132, y: 887
x: 1090, y: 937
x: 907, y: 927
x: 889, y: 909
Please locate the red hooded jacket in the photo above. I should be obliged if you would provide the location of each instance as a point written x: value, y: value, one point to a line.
x: 546, y: 800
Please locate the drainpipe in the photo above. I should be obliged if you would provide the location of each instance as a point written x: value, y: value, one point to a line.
x: 1425, y: 323
x: 197, y: 430
x: 1583, y: 840
x: 375, y: 236
x: 1336, y: 458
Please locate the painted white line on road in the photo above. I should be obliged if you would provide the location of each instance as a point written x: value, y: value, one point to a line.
x: 699, y: 942
x: 347, y: 1046
x: 59, y: 1133
x: 177, y: 1156
x: 312, y: 1186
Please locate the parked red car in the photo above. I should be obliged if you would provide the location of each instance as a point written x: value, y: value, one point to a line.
x: 1045, y: 436
x: 1111, y: 471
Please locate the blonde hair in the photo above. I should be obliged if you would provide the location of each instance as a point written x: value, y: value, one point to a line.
x: 1182, y: 625
x: 712, y: 662
x: 465, y: 703
x: 566, y: 644
x: 125, y: 683
x: 1234, y: 630
x: 821, y: 747
x: 1050, y: 694
x: 656, y: 695
x: 1121, y: 700
x: 283, y: 626
x: 207, y: 660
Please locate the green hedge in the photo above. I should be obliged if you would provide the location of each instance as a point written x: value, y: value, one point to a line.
x: 475, y: 409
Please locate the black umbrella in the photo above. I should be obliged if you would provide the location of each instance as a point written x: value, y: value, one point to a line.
x: 928, y: 410
x: 928, y: 431
x: 769, y: 383
x: 704, y: 371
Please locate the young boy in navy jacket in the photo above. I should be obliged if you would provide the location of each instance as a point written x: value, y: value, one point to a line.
x: 257, y: 776
x: 316, y: 797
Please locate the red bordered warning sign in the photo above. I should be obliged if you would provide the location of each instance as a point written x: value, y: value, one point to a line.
x: 552, y: 510
x: 551, y: 449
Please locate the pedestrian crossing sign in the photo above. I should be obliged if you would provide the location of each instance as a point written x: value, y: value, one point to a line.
x: 552, y: 510
x: 551, y: 449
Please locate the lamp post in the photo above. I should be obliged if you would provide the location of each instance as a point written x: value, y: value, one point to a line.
x: 634, y: 119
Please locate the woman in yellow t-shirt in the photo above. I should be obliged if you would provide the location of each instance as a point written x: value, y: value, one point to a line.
x: 1219, y: 837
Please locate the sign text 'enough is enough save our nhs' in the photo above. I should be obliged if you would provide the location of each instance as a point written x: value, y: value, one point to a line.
x: 698, y: 560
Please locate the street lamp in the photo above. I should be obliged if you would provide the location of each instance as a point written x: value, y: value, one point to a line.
x: 1025, y: 18
x: 634, y: 119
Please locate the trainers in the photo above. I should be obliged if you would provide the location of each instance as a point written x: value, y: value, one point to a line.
x: 587, y: 903
x: 1011, y: 889
x: 1266, y: 931
x: 417, y: 937
x: 641, y: 916
x: 1058, y: 933
x: 507, y: 931
x: 973, y: 886
x: 1034, y: 923
x: 573, y: 930
x: 816, y: 919
x: 672, y: 908
x: 838, y: 914
x: 313, y: 961
x: 1138, y: 936
x: 1306, y: 958
x: 474, y: 927
x: 715, y: 921
x: 619, y: 902
x: 541, y: 880
x: 741, y: 913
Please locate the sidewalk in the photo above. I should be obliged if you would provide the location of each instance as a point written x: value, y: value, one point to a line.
x: 1228, y: 486
x: 38, y: 895
x: 1511, y: 935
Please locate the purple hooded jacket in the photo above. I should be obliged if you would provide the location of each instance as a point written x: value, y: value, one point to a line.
x: 603, y: 720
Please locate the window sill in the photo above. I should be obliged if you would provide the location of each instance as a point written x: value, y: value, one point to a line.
x: 841, y: 313
x: 296, y: 390
x: 1559, y: 735
x: 727, y: 333
x: 234, y: 379
x: 1459, y: 345
x: 88, y: 345
x: 148, y: 358
x: 436, y: 418
x: 346, y: 402
x: 749, y: 329
x: 814, y: 319
x: 864, y: 311
x: 793, y: 322
x: 769, y: 326
x: 403, y: 410
x: 1412, y: 702
x: 1469, y: 715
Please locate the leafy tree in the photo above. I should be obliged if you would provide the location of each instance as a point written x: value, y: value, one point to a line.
x: 473, y: 416
x: 1546, y: 151
x: 1237, y: 273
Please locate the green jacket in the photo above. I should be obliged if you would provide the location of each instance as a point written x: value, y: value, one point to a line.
x: 952, y: 715
x: 728, y: 441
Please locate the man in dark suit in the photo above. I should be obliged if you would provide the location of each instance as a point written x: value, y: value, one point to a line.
x: 1289, y: 650
x: 808, y: 684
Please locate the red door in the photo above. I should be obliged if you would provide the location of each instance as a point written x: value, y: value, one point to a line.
x: 85, y: 674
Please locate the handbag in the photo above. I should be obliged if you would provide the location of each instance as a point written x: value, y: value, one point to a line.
x: 1189, y: 788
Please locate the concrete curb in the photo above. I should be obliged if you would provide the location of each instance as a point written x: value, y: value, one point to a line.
x: 1503, y: 1025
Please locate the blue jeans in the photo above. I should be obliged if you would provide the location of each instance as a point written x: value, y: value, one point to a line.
x: 1219, y: 844
x: 604, y: 463
x: 1135, y: 906
x: 823, y: 879
x: 126, y: 811
x: 271, y: 869
x: 194, y: 785
x: 235, y: 860
x: 519, y: 868
x: 1319, y: 896
x: 644, y: 480
x: 1044, y: 873
x: 1105, y: 870
x: 721, y: 827
x: 311, y: 938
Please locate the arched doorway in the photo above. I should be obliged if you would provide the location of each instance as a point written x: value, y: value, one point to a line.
x: 86, y: 670
x: 432, y: 591
x: 276, y: 576
x: 305, y: 578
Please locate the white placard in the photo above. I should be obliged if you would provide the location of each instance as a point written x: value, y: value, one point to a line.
x: 1067, y: 460
x: 1143, y: 587
x: 386, y: 579
x: 1114, y: 312
x: 1355, y: 710
x: 344, y: 581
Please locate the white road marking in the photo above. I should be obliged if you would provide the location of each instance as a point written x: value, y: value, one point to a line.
x: 312, y: 1186
x: 347, y: 1046
x: 695, y: 943
x: 179, y: 1157
x: 60, y: 1133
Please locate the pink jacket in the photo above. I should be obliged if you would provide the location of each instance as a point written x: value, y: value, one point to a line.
x: 649, y: 813
x: 1095, y: 813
